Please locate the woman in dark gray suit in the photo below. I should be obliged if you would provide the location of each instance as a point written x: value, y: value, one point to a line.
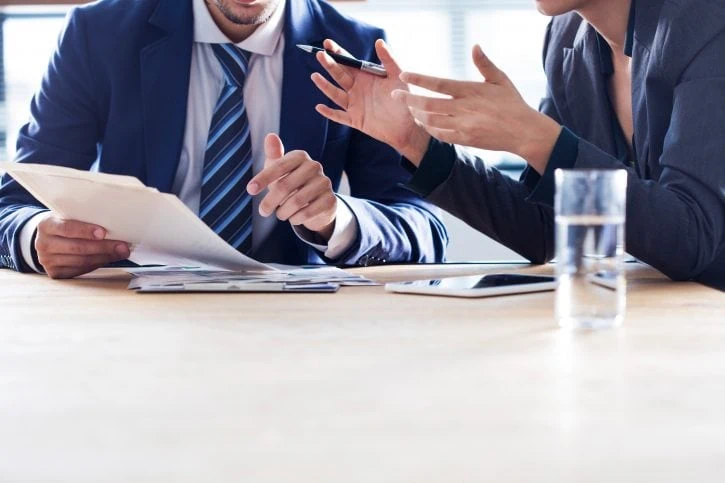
x: 635, y: 84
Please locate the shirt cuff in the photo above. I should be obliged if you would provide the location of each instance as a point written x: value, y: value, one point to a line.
x: 343, y: 236
x: 434, y: 169
x: 564, y: 156
x: 27, y: 239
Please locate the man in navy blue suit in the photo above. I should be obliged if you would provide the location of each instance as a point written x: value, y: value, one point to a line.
x: 189, y: 96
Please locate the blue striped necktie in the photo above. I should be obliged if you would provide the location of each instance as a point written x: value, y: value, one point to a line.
x: 226, y: 206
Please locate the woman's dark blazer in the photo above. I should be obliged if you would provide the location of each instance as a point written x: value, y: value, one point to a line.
x: 676, y: 192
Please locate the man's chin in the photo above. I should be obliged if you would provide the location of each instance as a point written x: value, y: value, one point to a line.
x: 245, y: 16
x: 244, y: 12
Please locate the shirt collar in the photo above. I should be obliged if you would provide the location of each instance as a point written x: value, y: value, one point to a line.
x: 263, y: 41
x: 605, y: 52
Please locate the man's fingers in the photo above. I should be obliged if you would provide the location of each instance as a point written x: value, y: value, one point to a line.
x: 69, y: 266
x: 59, y: 272
x: 450, y: 87
x: 335, y: 94
x: 273, y: 147
x: 340, y: 74
x: 335, y: 115
x: 273, y: 172
x: 64, y: 273
x: 386, y: 57
x: 333, y: 46
x: 273, y: 154
x: 487, y: 68
x: 314, y: 211
x: 381, y: 48
x: 56, y: 245
x: 303, y: 197
x: 68, y: 248
x: 71, y: 229
x: 283, y: 188
x: 90, y: 262
x: 275, y: 197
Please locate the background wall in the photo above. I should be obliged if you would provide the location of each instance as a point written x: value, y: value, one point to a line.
x: 430, y: 36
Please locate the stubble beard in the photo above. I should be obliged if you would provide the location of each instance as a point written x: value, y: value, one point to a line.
x: 258, y: 19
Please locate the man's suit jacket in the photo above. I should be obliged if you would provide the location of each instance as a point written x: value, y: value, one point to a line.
x: 676, y: 191
x: 116, y: 92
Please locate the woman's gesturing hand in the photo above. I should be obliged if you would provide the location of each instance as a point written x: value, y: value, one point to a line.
x: 367, y: 104
x: 488, y: 115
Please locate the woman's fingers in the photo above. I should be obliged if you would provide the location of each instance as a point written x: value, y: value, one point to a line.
x: 335, y: 94
x: 487, y: 68
x: 445, y: 135
x: 438, y: 121
x: 426, y: 103
x: 339, y: 74
x: 335, y: 115
x: 450, y: 87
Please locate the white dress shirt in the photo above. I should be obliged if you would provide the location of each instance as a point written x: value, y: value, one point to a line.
x: 263, y: 100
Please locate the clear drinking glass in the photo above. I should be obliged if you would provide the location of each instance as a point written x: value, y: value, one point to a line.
x: 590, y: 208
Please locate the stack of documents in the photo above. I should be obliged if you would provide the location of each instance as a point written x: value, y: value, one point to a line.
x: 163, y: 232
x: 317, y: 279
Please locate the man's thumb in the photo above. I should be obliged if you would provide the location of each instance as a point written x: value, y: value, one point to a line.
x: 488, y: 69
x: 273, y: 147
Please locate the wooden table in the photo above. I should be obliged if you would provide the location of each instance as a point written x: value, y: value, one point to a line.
x: 98, y: 384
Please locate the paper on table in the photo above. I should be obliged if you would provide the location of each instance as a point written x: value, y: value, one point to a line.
x: 160, y: 277
x: 161, y: 229
x: 231, y: 287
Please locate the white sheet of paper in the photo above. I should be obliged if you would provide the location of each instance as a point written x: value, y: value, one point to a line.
x: 160, y: 228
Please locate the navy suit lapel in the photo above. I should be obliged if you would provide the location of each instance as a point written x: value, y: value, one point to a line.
x: 301, y: 127
x: 586, y: 91
x: 646, y: 20
x: 640, y: 61
x: 165, y: 68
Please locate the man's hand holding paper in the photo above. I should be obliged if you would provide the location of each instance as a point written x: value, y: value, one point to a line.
x: 162, y: 149
x: 68, y: 248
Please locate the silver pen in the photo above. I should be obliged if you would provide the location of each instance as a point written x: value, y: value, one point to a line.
x: 363, y: 65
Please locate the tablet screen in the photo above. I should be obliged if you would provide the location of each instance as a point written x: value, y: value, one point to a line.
x: 488, y: 281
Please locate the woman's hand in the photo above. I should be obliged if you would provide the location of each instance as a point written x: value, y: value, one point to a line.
x: 367, y: 103
x: 489, y: 115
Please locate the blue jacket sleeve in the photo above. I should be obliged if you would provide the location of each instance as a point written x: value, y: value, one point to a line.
x: 395, y: 224
x: 63, y: 130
